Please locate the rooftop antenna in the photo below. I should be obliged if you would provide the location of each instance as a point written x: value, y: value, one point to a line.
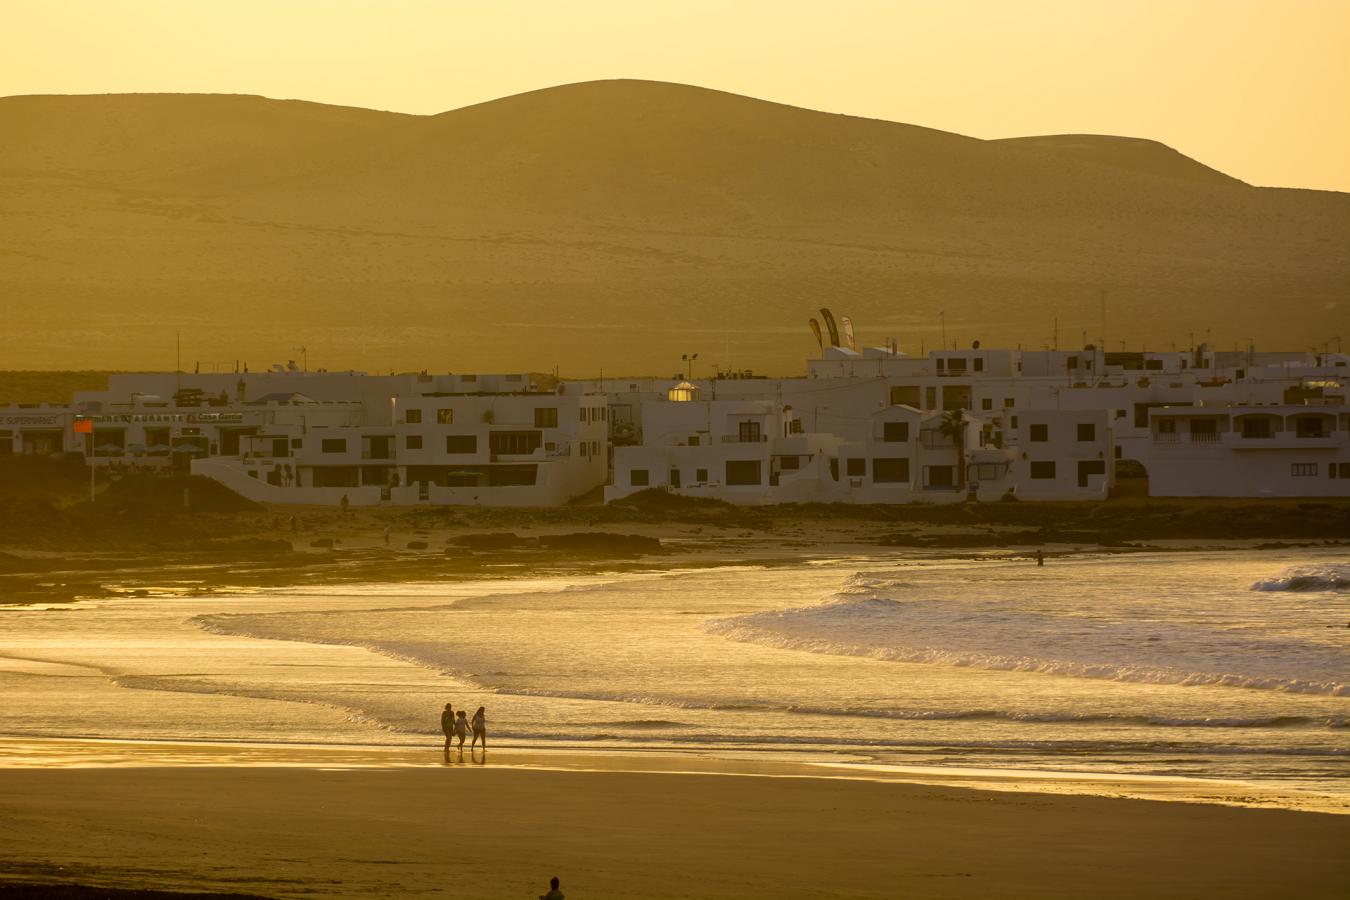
x: 1103, y: 298
x: 1055, y: 339
x: 304, y: 357
x: 942, y: 315
x: 178, y: 359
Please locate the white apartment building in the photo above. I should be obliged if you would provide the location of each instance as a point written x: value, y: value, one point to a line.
x: 1251, y: 451
x: 314, y: 438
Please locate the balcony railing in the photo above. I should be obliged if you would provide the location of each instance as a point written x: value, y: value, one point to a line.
x: 745, y: 438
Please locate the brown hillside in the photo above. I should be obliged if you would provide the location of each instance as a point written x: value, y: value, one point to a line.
x: 616, y: 224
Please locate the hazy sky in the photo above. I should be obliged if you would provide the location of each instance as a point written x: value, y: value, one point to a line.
x: 1257, y: 88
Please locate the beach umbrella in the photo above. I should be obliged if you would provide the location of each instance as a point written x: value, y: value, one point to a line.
x: 109, y: 448
x: 136, y: 448
x: 157, y: 448
x: 187, y: 448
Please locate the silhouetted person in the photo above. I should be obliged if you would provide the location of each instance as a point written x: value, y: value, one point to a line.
x: 448, y: 726
x: 461, y: 728
x: 344, y: 503
x: 479, y: 727
x: 1040, y: 558
x: 386, y: 535
x: 553, y: 892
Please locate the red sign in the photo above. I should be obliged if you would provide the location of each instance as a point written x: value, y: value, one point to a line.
x: 83, y: 426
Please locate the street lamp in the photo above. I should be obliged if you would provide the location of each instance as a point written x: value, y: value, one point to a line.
x: 689, y: 368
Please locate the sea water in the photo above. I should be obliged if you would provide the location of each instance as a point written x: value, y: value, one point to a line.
x: 1216, y: 665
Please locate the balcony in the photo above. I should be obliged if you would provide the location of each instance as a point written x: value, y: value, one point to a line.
x: 745, y: 438
x: 1285, y: 440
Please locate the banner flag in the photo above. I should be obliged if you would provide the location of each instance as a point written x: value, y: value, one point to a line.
x: 829, y: 324
x: 815, y: 329
x: 848, y: 333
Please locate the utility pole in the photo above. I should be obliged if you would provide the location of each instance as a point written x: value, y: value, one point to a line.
x: 942, y: 316
x: 304, y: 357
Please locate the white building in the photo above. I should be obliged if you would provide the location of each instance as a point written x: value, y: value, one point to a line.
x: 1251, y: 451
x: 315, y: 438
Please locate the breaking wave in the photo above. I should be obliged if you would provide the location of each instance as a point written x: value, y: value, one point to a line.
x: 1333, y: 577
x: 995, y: 636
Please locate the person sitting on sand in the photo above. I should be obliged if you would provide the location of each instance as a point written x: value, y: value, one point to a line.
x: 461, y: 728
x: 479, y: 726
x: 448, y: 726
x: 553, y: 893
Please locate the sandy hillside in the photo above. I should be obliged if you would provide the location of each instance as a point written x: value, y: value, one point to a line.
x: 634, y: 220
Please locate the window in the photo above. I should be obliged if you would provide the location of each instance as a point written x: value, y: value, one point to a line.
x: 1302, y: 470
x: 855, y: 468
x: 514, y: 442
x: 930, y: 398
x: 583, y: 414
x: 956, y: 366
x: 1087, y: 431
x: 445, y: 417
x: 693, y: 440
x: 412, y: 416
x: 1167, y: 426
x: 461, y: 443
x: 1256, y: 428
x: 894, y: 432
x: 906, y: 395
x: 743, y: 471
x: 297, y: 443
x: 1007, y: 403
x: 546, y: 417
x: 941, y: 476
x: 979, y: 365
x: 412, y: 442
x: 1120, y: 414
x: 638, y: 478
x: 334, y: 445
x: 890, y: 470
x: 701, y: 476
x: 790, y: 462
x: 1043, y: 469
x: 1338, y: 470
x: 1040, y: 433
x: 1308, y: 428
x: 1012, y: 422
x: 941, y: 366
x: 748, y: 432
x: 987, y: 403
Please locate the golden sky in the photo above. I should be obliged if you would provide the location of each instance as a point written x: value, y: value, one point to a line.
x: 1257, y: 88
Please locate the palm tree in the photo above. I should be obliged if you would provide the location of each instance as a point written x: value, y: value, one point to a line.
x: 953, y: 425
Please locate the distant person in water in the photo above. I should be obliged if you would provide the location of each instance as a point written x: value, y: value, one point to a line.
x: 345, y: 502
x: 553, y: 892
x: 479, y: 726
x: 461, y: 728
x: 448, y: 726
x: 1040, y: 558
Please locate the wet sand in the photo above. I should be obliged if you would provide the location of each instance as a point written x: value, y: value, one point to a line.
x: 353, y: 822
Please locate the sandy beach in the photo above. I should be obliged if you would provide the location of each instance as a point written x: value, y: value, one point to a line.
x: 312, y: 822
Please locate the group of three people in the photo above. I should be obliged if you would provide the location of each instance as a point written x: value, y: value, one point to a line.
x: 459, y: 725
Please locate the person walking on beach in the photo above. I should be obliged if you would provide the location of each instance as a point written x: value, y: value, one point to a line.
x: 461, y: 728
x: 479, y: 726
x: 553, y: 892
x: 1040, y: 558
x: 448, y: 726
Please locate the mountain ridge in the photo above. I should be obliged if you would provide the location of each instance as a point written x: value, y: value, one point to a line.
x: 531, y: 230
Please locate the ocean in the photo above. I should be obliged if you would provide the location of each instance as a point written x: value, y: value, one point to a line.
x: 1212, y: 665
